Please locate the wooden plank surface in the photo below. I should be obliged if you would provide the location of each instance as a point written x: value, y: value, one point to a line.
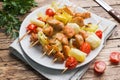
x: 12, y: 68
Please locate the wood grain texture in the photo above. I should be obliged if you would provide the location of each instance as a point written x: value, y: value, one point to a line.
x: 11, y: 68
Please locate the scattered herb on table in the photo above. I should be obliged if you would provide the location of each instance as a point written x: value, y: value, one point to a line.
x: 9, y: 13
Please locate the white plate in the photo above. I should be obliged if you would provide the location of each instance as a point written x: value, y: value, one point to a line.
x: 35, y: 53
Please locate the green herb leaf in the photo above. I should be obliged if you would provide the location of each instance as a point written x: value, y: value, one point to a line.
x: 9, y: 15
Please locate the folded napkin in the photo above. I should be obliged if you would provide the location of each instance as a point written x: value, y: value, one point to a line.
x: 54, y: 74
x: 47, y: 72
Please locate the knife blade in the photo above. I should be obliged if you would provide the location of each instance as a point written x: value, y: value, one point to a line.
x: 109, y: 9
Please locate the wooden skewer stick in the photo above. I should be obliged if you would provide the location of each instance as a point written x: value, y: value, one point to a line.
x: 88, y: 10
x: 31, y: 42
x: 34, y: 43
x: 105, y: 29
x: 50, y: 52
x: 44, y: 53
x: 64, y: 70
x: 24, y: 36
x: 99, y: 22
x: 54, y: 60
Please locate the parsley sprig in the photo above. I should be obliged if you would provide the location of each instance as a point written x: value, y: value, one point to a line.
x: 11, y: 9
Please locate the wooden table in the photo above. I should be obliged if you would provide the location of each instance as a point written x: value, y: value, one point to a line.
x: 12, y: 68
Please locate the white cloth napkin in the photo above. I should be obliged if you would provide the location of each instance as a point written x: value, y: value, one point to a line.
x: 47, y: 72
x: 52, y: 74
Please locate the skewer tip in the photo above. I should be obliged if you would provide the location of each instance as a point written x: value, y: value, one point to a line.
x: 54, y: 60
x: 23, y: 36
x: 105, y: 29
x: 44, y: 54
x: 64, y: 70
x: 99, y: 22
x: 34, y: 43
x: 50, y: 52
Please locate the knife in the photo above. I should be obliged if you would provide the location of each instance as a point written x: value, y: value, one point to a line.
x: 109, y: 9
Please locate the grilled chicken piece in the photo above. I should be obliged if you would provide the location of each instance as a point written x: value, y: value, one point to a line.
x: 59, y: 36
x: 84, y: 34
x: 66, y: 50
x: 68, y: 10
x: 62, y: 38
x: 83, y: 15
x: 68, y: 31
x: 79, y: 40
x: 57, y: 25
x: 33, y: 37
x: 48, y: 31
x: 78, y: 20
x: 59, y: 56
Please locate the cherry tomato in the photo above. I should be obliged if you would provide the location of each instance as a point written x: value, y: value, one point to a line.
x: 85, y: 47
x: 50, y: 12
x: 99, y: 66
x: 71, y: 63
x: 32, y: 28
x: 99, y: 33
x: 115, y: 57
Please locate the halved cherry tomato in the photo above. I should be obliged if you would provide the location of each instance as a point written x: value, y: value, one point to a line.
x: 32, y: 28
x: 50, y: 12
x: 115, y: 57
x: 99, y: 66
x: 71, y: 62
x: 85, y: 47
x: 99, y: 33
